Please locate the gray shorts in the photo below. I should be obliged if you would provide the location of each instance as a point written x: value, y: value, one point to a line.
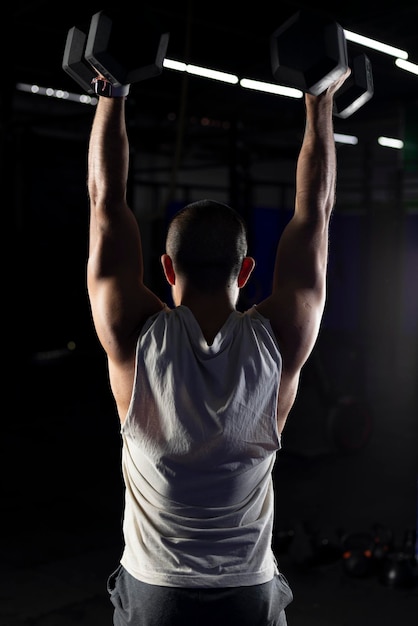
x: 140, y: 604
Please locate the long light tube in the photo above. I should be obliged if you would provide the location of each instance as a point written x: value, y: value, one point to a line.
x: 280, y: 90
x: 204, y: 72
x: 375, y: 45
x: 407, y: 65
x: 390, y: 142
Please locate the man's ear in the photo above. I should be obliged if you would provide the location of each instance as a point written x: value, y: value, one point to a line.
x: 168, y: 268
x: 247, y: 266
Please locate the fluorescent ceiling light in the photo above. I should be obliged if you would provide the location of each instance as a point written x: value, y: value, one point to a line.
x: 57, y: 93
x: 407, y: 65
x: 179, y: 66
x: 280, y: 90
x: 390, y: 142
x: 349, y: 139
x: 205, y: 72
x: 214, y: 74
x: 376, y: 45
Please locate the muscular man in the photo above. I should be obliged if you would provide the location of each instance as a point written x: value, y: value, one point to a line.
x: 203, y: 390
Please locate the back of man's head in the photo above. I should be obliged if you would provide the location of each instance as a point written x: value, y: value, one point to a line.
x: 207, y: 242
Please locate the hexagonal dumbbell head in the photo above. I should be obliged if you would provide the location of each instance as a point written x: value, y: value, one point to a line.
x: 356, y: 90
x: 125, y: 48
x: 74, y: 62
x: 308, y: 52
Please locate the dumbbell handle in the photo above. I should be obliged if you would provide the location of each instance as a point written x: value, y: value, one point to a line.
x: 103, y: 87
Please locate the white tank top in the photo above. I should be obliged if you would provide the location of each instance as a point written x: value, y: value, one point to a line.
x: 199, y: 446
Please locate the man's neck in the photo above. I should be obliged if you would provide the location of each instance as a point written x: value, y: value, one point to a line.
x: 210, y: 310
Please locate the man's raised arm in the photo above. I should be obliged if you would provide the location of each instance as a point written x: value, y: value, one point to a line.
x: 296, y: 305
x: 119, y: 300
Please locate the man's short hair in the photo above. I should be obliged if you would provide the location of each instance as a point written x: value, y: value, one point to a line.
x: 207, y: 241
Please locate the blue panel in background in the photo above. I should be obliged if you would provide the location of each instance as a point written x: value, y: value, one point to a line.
x: 347, y: 272
x: 265, y: 227
x: 346, y: 268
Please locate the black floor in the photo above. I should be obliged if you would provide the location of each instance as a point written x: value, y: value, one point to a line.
x: 62, y: 504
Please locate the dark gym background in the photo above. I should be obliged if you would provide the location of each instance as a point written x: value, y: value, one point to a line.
x: 346, y: 479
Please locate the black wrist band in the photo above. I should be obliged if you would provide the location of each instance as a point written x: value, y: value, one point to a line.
x: 103, y: 87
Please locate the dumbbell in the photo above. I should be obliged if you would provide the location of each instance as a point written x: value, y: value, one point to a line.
x: 309, y: 52
x: 122, y: 50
